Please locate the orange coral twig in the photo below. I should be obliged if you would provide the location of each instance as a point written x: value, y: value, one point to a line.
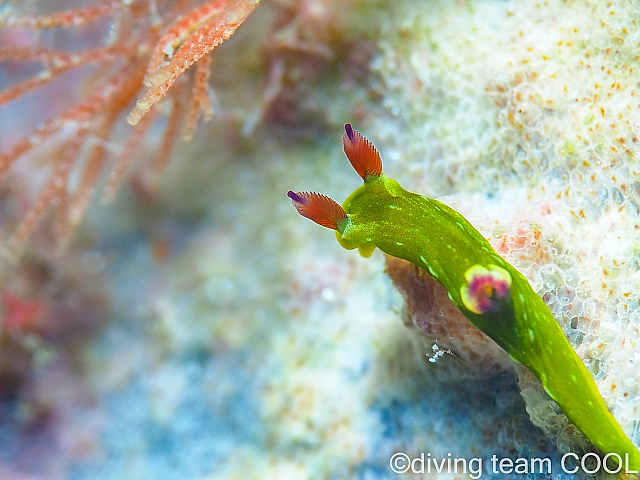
x: 202, y: 41
x: 135, y: 55
x: 59, y: 62
x: 123, y: 161
x: 67, y: 18
x: 200, y: 102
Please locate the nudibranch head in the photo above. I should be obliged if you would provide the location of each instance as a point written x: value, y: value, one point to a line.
x: 487, y: 288
x: 363, y: 156
x: 319, y: 208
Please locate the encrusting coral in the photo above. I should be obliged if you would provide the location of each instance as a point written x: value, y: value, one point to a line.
x: 535, y: 106
x: 142, y: 52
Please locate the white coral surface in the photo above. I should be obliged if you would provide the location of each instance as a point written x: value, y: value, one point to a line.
x: 535, y: 104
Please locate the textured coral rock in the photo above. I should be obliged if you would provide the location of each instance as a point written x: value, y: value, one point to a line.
x: 439, y: 320
x: 534, y: 106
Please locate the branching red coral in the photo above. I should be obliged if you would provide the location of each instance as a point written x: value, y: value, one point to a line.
x: 149, y: 45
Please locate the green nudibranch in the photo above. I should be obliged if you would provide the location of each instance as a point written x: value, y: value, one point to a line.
x: 492, y: 294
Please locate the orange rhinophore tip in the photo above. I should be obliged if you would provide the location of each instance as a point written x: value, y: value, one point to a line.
x: 319, y: 208
x: 363, y: 156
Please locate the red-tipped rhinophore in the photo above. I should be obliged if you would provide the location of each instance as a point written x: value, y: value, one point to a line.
x: 363, y: 156
x: 318, y: 208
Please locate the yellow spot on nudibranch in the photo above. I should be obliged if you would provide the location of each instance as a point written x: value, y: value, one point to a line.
x: 486, y: 287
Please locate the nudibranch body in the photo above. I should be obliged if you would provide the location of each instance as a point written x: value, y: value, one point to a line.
x: 492, y: 294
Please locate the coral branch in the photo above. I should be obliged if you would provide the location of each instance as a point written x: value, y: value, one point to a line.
x: 60, y: 62
x: 200, y: 102
x: 75, y: 116
x: 153, y: 45
x: 123, y: 161
x: 169, y: 139
x: 181, y: 30
x: 53, y: 191
x: 201, y: 42
x: 67, y: 18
